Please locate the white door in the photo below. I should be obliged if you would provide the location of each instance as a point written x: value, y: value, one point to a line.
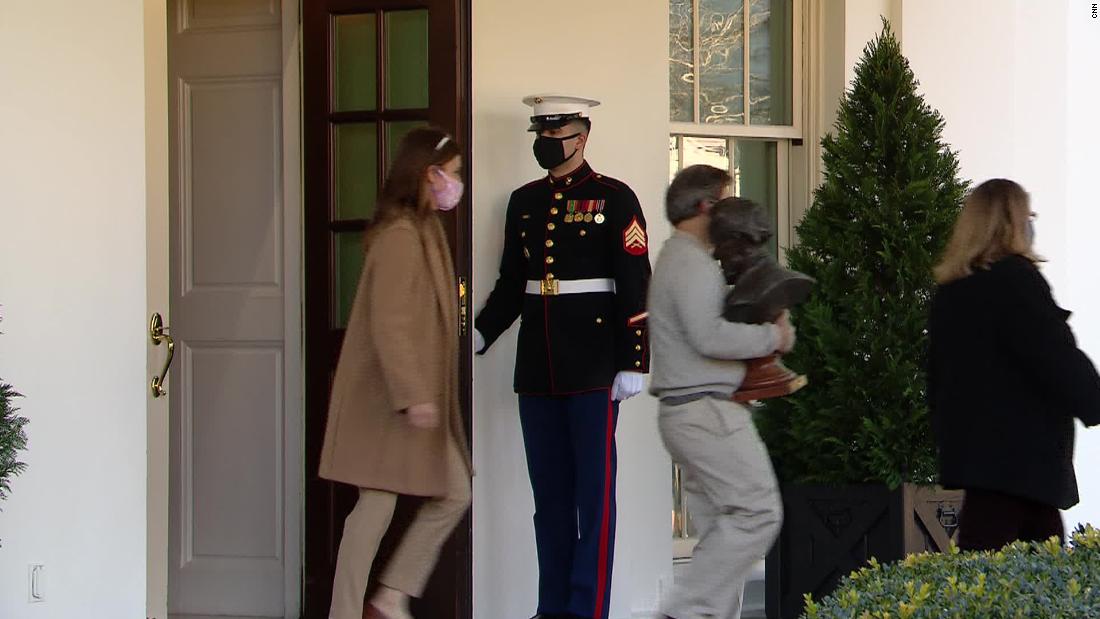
x: 233, y: 454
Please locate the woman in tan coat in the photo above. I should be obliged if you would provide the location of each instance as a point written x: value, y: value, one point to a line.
x: 394, y: 425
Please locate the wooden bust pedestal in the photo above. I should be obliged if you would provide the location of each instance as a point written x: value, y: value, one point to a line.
x: 767, y: 377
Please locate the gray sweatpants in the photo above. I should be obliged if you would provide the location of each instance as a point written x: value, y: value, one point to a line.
x: 733, y: 499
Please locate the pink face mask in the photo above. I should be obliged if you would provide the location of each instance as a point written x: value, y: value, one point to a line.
x: 448, y: 196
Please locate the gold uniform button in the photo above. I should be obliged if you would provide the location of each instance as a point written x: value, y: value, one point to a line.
x: 638, y: 347
x: 599, y: 321
x: 638, y: 333
x: 584, y: 232
x: 554, y: 211
x: 550, y: 226
x: 549, y: 260
x: 549, y: 243
x: 637, y: 364
x: 558, y: 196
x: 522, y: 235
x: 549, y: 276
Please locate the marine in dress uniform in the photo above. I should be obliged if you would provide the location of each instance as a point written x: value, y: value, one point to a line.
x: 575, y: 268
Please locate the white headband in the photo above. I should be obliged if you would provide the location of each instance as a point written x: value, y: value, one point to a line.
x: 443, y: 141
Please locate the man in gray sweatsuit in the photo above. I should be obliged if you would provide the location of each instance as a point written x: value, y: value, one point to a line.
x: 697, y: 365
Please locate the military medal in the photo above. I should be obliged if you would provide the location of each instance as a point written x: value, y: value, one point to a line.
x: 582, y: 210
x: 588, y: 218
x: 597, y: 205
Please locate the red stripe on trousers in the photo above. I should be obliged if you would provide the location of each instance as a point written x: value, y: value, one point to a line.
x: 601, y: 585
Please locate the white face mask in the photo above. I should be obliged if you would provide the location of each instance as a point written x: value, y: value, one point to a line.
x: 449, y: 195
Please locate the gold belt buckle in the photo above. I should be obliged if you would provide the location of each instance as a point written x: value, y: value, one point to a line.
x: 548, y: 287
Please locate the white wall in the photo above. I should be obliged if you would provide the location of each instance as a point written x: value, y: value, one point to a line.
x: 615, y: 51
x: 1018, y: 101
x: 998, y: 77
x: 1083, y: 165
x: 862, y: 23
x: 72, y: 289
x: 846, y: 27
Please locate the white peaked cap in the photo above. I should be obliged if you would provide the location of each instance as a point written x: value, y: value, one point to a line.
x: 560, y: 105
x: 556, y: 110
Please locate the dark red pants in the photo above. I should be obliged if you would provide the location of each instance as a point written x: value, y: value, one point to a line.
x: 991, y: 520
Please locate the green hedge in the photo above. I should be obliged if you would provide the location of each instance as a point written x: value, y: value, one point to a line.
x: 1022, y: 581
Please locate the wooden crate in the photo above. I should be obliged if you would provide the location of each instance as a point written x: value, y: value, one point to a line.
x: 830, y: 531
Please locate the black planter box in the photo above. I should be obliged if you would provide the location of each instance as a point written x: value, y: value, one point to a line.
x: 830, y: 531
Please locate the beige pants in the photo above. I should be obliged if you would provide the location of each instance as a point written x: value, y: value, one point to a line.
x: 733, y: 499
x: 412, y: 563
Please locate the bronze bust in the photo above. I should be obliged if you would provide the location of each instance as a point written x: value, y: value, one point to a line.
x: 762, y: 289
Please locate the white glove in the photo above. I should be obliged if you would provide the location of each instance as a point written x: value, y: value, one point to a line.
x: 479, y: 341
x: 627, y: 385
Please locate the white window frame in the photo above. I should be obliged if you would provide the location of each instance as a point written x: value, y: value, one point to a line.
x: 783, y: 135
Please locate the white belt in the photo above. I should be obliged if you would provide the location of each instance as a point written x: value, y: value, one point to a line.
x: 551, y: 287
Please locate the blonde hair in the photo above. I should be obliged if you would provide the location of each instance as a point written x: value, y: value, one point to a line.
x: 993, y: 224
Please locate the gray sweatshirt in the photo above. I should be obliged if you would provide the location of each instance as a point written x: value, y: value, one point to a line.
x: 693, y: 348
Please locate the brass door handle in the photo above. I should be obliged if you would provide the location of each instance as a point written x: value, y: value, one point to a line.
x: 159, y: 333
x: 463, y: 307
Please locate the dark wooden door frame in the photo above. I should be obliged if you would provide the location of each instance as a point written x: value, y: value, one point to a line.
x: 449, y: 107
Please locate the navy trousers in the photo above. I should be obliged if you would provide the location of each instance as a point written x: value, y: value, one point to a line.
x: 570, y: 444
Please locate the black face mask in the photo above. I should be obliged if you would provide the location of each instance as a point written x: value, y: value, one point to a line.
x: 550, y: 152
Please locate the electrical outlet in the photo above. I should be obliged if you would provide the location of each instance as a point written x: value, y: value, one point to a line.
x: 36, y: 585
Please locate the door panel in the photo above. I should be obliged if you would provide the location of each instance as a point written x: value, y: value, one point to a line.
x: 373, y: 71
x: 228, y: 292
x: 157, y: 268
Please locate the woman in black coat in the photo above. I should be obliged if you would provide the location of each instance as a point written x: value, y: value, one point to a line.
x: 1005, y: 376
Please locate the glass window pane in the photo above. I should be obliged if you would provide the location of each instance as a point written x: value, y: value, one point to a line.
x: 349, y: 262
x: 709, y: 151
x: 407, y: 59
x: 395, y: 131
x: 755, y: 177
x: 355, y: 72
x: 681, y: 60
x: 771, y: 73
x: 356, y: 152
x: 721, y: 61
